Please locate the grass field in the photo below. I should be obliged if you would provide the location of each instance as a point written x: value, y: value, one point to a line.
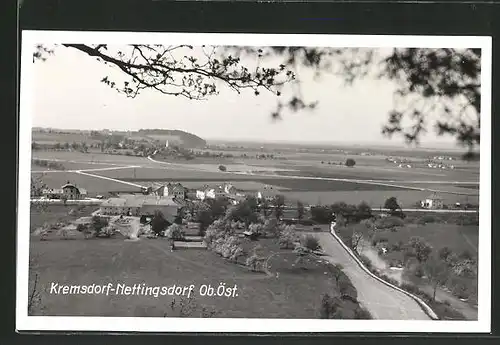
x: 309, y: 191
x: 74, y: 166
x: 375, y: 198
x: 458, y: 238
x: 296, y: 294
x: 91, y: 184
x: 57, y: 213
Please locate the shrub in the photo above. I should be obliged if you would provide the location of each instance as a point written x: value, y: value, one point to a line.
x: 392, y: 204
x: 310, y: 242
x: 362, y: 314
x: 253, y: 263
x: 350, y: 162
x: 389, y: 280
x: 427, y: 219
x: 410, y: 288
x: 367, y: 262
x: 81, y: 227
x: 287, y: 238
x: 99, y: 223
x: 389, y: 222
x: 175, y: 232
x: 396, y: 247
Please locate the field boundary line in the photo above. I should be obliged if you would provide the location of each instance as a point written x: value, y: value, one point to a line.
x: 110, y: 179
x: 428, y: 310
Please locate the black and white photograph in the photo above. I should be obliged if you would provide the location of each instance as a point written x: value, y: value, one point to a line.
x: 261, y: 183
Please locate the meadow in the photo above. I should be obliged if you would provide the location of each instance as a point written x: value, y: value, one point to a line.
x: 295, y: 294
x: 52, y: 214
x: 94, y: 186
x: 274, y: 172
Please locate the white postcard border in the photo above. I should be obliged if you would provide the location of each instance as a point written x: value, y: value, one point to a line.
x: 138, y: 324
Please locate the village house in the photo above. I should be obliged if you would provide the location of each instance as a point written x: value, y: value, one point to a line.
x: 68, y: 191
x: 210, y: 192
x: 175, y: 190
x: 433, y: 201
x: 140, y: 206
x: 265, y: 195
x: 230, y: 189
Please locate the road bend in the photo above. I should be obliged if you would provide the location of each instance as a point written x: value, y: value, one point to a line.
x: 382, y: 301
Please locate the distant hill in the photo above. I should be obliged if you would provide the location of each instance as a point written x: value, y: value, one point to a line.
x: 174, y: 136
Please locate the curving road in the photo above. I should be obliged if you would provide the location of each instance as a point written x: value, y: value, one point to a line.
x: 383, y: 302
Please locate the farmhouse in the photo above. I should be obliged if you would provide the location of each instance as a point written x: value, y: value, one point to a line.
x: 433, y: 201
x: 68, y: 191
x: 140, y: 206
x: 265, y: 195
x: 230, y: 189
x: 211, y: 193
x: 175, y: 190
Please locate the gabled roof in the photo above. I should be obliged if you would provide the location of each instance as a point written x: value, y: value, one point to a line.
x: 114, y: 202
x: 69, y: 185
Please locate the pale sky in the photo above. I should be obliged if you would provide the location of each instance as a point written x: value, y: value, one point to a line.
x: 69, y: 95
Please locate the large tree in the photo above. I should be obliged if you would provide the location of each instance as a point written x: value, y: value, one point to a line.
x: 434, y: 87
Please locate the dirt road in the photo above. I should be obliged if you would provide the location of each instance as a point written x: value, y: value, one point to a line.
x: 383, y: 302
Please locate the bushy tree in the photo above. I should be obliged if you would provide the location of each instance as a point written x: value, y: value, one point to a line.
x: 310, y: 242
x: 174, y: 232
x: 437, y: 272
x: 321, y: 214
x: 364, y: 211
x: 253, y: 262
x: 356, y: 239
x: 331, y: 307
x: 99, y: 224
x: 279, y: 205
x: 392, y: 204
x: 350, y: 162
x: 287, y: 237
x: 300, y: 210
x: 159, y: 223
x: 270, y: 228
x: 418, y: 248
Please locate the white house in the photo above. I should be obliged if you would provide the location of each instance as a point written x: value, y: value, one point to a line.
x: 229, y: 188
x: 200, y: 194
x: 176, y: 190
x: 433, y: 201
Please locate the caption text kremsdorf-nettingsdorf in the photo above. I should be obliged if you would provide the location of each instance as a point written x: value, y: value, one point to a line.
x: 220, y: 290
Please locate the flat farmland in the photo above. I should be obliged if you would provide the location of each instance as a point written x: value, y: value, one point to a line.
x: 296, y: 294
x: 240, y: 185
x: 388, y: 172
x: 93, y: 185
x: 73, y: 166
x: 89, y: 157
x: 375, y: 198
